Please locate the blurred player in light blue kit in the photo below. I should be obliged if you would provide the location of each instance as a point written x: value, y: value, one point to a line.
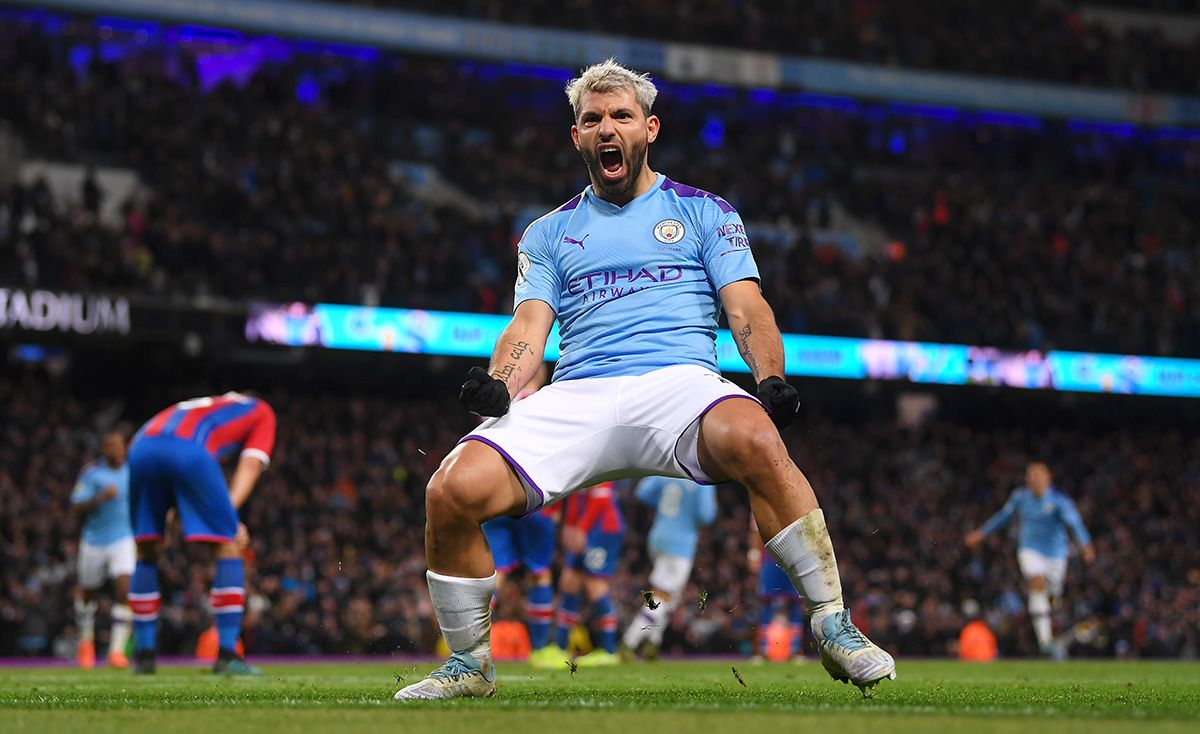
x: 682, y: 508
x: 106, y: 549
x: 1042, y: 551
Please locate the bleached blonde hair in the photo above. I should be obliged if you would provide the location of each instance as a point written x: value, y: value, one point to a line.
x: 609, y: 76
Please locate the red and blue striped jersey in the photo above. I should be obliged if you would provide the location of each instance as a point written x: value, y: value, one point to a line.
x: 221, y: 424
x: 594, y: 508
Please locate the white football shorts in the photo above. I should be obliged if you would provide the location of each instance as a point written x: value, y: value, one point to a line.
x: 1034, y: 564
x: 670, y: 573
x: 578, y: 433
x: 98, y: 562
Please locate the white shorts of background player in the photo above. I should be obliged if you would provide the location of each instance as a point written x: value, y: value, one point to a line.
x: 574, y: 434
x: 100, y: 562
x: 1035, y: 564
x: 670, y: 573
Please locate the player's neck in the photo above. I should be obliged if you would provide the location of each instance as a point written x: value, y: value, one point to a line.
x: 645, y: 182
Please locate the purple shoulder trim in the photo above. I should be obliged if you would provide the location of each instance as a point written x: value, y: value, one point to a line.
x: 684, y: 191
x: 571, y: 204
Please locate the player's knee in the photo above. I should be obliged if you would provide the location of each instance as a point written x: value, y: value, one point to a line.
x: 749, y: 448
x: 1037, y: 583
x: 453, y: 494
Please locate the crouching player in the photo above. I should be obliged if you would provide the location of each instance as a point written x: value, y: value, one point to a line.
x: 682, y: 508
x: 174, y: 462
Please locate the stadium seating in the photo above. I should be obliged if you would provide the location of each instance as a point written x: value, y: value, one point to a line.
x: 875, y: 220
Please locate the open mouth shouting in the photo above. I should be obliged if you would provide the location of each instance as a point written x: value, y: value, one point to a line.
x: 612, y: 161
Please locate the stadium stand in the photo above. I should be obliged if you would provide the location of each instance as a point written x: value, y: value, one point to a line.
x: 1053, y: 41
x: 877, y: 220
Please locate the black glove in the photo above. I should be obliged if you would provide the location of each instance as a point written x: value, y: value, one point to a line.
x: 484, y: 394
x: 780, y: 399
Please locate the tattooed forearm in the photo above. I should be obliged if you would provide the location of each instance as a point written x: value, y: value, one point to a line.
x: 519, y: 349
x: 743, y: 341
x: 506, y: 373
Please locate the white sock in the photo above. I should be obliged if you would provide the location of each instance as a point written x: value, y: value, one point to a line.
x: 804, y: 551
x: 1039, y: 612
x: 647, y: 624
x: 85, y: 619
x: 122, y: 623
x: 464, y: 612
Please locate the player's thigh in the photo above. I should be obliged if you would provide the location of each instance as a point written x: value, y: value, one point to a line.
x: 202, y: 498
x: 602, y: 554
x: 738, y: 437
x: 670, y: 573
x: 476, y: 479
x: 90, y: 566
x: 1033, y: 565
x: 499, y: 534
x: 1056, y: 576
x: 535, y: 538
x: 150, y: 493
x: 122, y: 558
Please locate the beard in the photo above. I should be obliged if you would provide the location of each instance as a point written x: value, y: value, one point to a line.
x: 622, y: 188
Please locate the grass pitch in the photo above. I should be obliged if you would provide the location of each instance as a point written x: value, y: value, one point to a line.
x: 700, y: 698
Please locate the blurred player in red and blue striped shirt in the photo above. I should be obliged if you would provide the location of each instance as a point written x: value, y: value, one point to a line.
x: 592, y: 532
x: 175, y: 462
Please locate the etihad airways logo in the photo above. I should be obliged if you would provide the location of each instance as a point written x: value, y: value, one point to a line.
x: 621, y: 278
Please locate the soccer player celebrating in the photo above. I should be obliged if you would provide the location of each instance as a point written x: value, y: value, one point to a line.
x: 682, y: 508
x: 636, y: 270
x: 106, y: 549
x: 1042, y: 551
x: 174, y: 462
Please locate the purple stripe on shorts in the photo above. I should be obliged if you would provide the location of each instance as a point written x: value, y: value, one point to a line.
x: 700, y: 417
x: 512, y: 462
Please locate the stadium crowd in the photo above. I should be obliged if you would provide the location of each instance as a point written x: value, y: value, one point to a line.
x: 1051, y: 41
x: 337, y: 563
x: 868, y: 219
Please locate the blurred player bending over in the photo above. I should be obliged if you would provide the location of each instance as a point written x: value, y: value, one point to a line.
x: 592, y: 532
x: 636, y: 269
x: 174, y: 462
x: 1042, y: 551
x: 106, y: 549
x: 681, y: 508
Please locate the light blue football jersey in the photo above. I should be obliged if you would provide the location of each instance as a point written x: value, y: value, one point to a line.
x: 109, y: 522
x: 1044, y: 521
x: 635, y: 288
x: 682, y: 508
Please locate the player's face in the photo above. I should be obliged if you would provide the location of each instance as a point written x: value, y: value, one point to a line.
x: 113, y: 448
x: 612, y: 133
x: 1037, y: 478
